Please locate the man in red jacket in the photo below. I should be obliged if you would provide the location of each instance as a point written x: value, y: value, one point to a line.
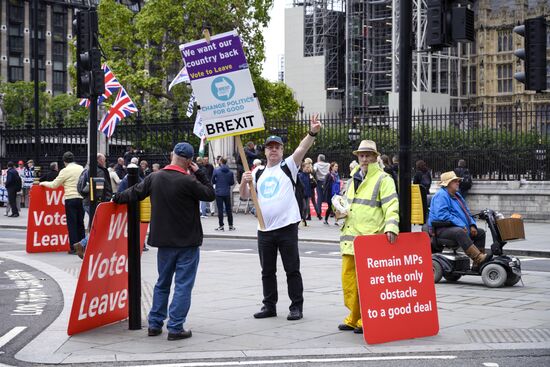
x: 176, y: 231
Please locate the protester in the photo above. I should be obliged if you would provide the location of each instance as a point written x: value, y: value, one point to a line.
x: 120, y: 168
x: 52, y: 174
x: 203, y: 204
x: 466, y: 183
x: 320, y: 169
x: 74, y: 211
x: 115, y: 180
x: 423, y: 178
x: 156, y: 167
x: 28, y: 180
x: 448, y: 206
x: 223, y: 179
x: 281, y: 215
x: 209, y: 173
x: 13, y: 186
x: 389, y: 169
x: 374, y: 209
x: 130, y: 153
x: 106, y: 194
x: 177, y: 232
x: 332, y: 187
x: 305, y: 176
x: 144, y: 168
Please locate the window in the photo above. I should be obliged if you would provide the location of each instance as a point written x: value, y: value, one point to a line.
x: 505, y: 41
x: 58, y: 82
x: 504, y: 77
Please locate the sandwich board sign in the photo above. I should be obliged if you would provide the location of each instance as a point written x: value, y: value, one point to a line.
x: 222, y: 86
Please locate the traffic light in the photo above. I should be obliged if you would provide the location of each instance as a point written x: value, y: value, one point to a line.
x: 448, y: 24
x: 89, y: 75
x: 439, y: 24
x: 533, y: 54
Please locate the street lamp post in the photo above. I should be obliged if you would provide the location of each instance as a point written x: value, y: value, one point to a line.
x: 302, y: 111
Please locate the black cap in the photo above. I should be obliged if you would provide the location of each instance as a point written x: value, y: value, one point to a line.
x: 273, y: 138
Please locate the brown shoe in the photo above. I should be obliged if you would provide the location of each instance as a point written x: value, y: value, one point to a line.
x: 79, y: 250
x: 478, y: 257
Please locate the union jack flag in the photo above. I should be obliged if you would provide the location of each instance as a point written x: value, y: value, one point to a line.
x: 121, y: 108
x: 111, y: 86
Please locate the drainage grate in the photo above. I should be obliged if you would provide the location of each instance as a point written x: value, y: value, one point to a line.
x: 508, y: 335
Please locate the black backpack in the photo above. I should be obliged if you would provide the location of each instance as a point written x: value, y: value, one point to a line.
x: 466, y: 183
x: 298, y: 186
x: 83, y: 184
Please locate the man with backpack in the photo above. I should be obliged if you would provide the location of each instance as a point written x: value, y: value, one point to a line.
x: 276, y: 185
x: 463, y: 172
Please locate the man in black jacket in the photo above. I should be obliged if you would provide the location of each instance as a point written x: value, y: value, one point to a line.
x: 52, y: 175
x: 13, y: 185
x: 177, y: 232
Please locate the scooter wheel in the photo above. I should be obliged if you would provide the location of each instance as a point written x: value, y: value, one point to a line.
x: 438, y: 271
x: 512, y: 280
x: 494, y: 276
x: 452, y: 277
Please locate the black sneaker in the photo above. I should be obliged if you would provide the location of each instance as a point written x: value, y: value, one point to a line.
x: 220, y: 228
x: 231, y: 228
x: 358, y: 330
x: 345, y: 327
x: 154, y: 332
x: 295, y: 315
x: 264, y: 313
x: 183, y: 334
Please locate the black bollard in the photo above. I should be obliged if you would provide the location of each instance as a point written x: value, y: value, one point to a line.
x: 134, y: 254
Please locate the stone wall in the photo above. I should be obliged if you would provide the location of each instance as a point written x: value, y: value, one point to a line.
x: 530, y: 199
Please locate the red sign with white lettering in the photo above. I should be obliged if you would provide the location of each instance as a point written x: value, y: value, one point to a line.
x: 46, y: 222
x: 101, y: 295
x: 396, y: 287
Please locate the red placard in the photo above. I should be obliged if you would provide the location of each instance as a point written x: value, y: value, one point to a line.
x: 396, y: 287
x: 47, y: 222
x: 101, y: 295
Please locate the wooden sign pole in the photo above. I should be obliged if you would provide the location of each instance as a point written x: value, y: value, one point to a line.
x: 251, y: 188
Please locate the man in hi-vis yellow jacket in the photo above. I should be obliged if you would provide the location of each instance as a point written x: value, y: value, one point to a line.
x: 373, y: 209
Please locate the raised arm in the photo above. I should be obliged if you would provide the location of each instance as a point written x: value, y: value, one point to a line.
x: 307, y: 142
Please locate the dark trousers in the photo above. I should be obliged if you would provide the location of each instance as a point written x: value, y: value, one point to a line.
x: 220, y: 202
x: 319, y: 191
x: 285, y: 240
x: 305, y: 212
x: 464, y: 240
x: 75, y: 220
x: 12, y: 199
x: 328, y: 212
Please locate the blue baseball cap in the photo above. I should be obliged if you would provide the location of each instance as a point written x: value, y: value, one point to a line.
x: 184, y: 150
x: 274, y: 139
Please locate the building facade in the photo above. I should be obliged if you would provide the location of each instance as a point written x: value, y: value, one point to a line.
x: 55, y: 34
x: 493, y: 63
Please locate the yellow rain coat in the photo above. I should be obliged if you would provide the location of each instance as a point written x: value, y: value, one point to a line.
x: 374, y: 209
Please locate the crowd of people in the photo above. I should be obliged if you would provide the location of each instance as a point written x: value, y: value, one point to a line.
x: 183, y: 192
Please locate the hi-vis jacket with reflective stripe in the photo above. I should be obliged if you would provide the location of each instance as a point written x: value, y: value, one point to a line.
x: 374, y: 207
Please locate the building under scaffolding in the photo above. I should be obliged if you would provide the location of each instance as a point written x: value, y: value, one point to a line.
x: 362, y: 58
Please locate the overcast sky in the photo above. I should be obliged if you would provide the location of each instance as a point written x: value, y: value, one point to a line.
x: 274, y: 40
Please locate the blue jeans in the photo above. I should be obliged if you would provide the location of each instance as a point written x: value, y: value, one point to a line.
x: 184, y: 263
x: 203, y: 206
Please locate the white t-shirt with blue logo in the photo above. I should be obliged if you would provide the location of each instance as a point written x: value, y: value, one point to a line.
x: 276, y: 196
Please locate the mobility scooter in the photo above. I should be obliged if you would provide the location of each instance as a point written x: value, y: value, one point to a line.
x: 500, y: 270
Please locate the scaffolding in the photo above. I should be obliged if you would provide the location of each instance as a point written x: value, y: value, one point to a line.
x: 324, y: 33
x: 433, y: 72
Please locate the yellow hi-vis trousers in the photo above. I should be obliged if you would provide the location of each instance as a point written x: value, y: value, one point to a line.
x: 351, y: 292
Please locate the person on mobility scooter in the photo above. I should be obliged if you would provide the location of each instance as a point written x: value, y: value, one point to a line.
x: 450, y: 219
x: 451, y: 225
